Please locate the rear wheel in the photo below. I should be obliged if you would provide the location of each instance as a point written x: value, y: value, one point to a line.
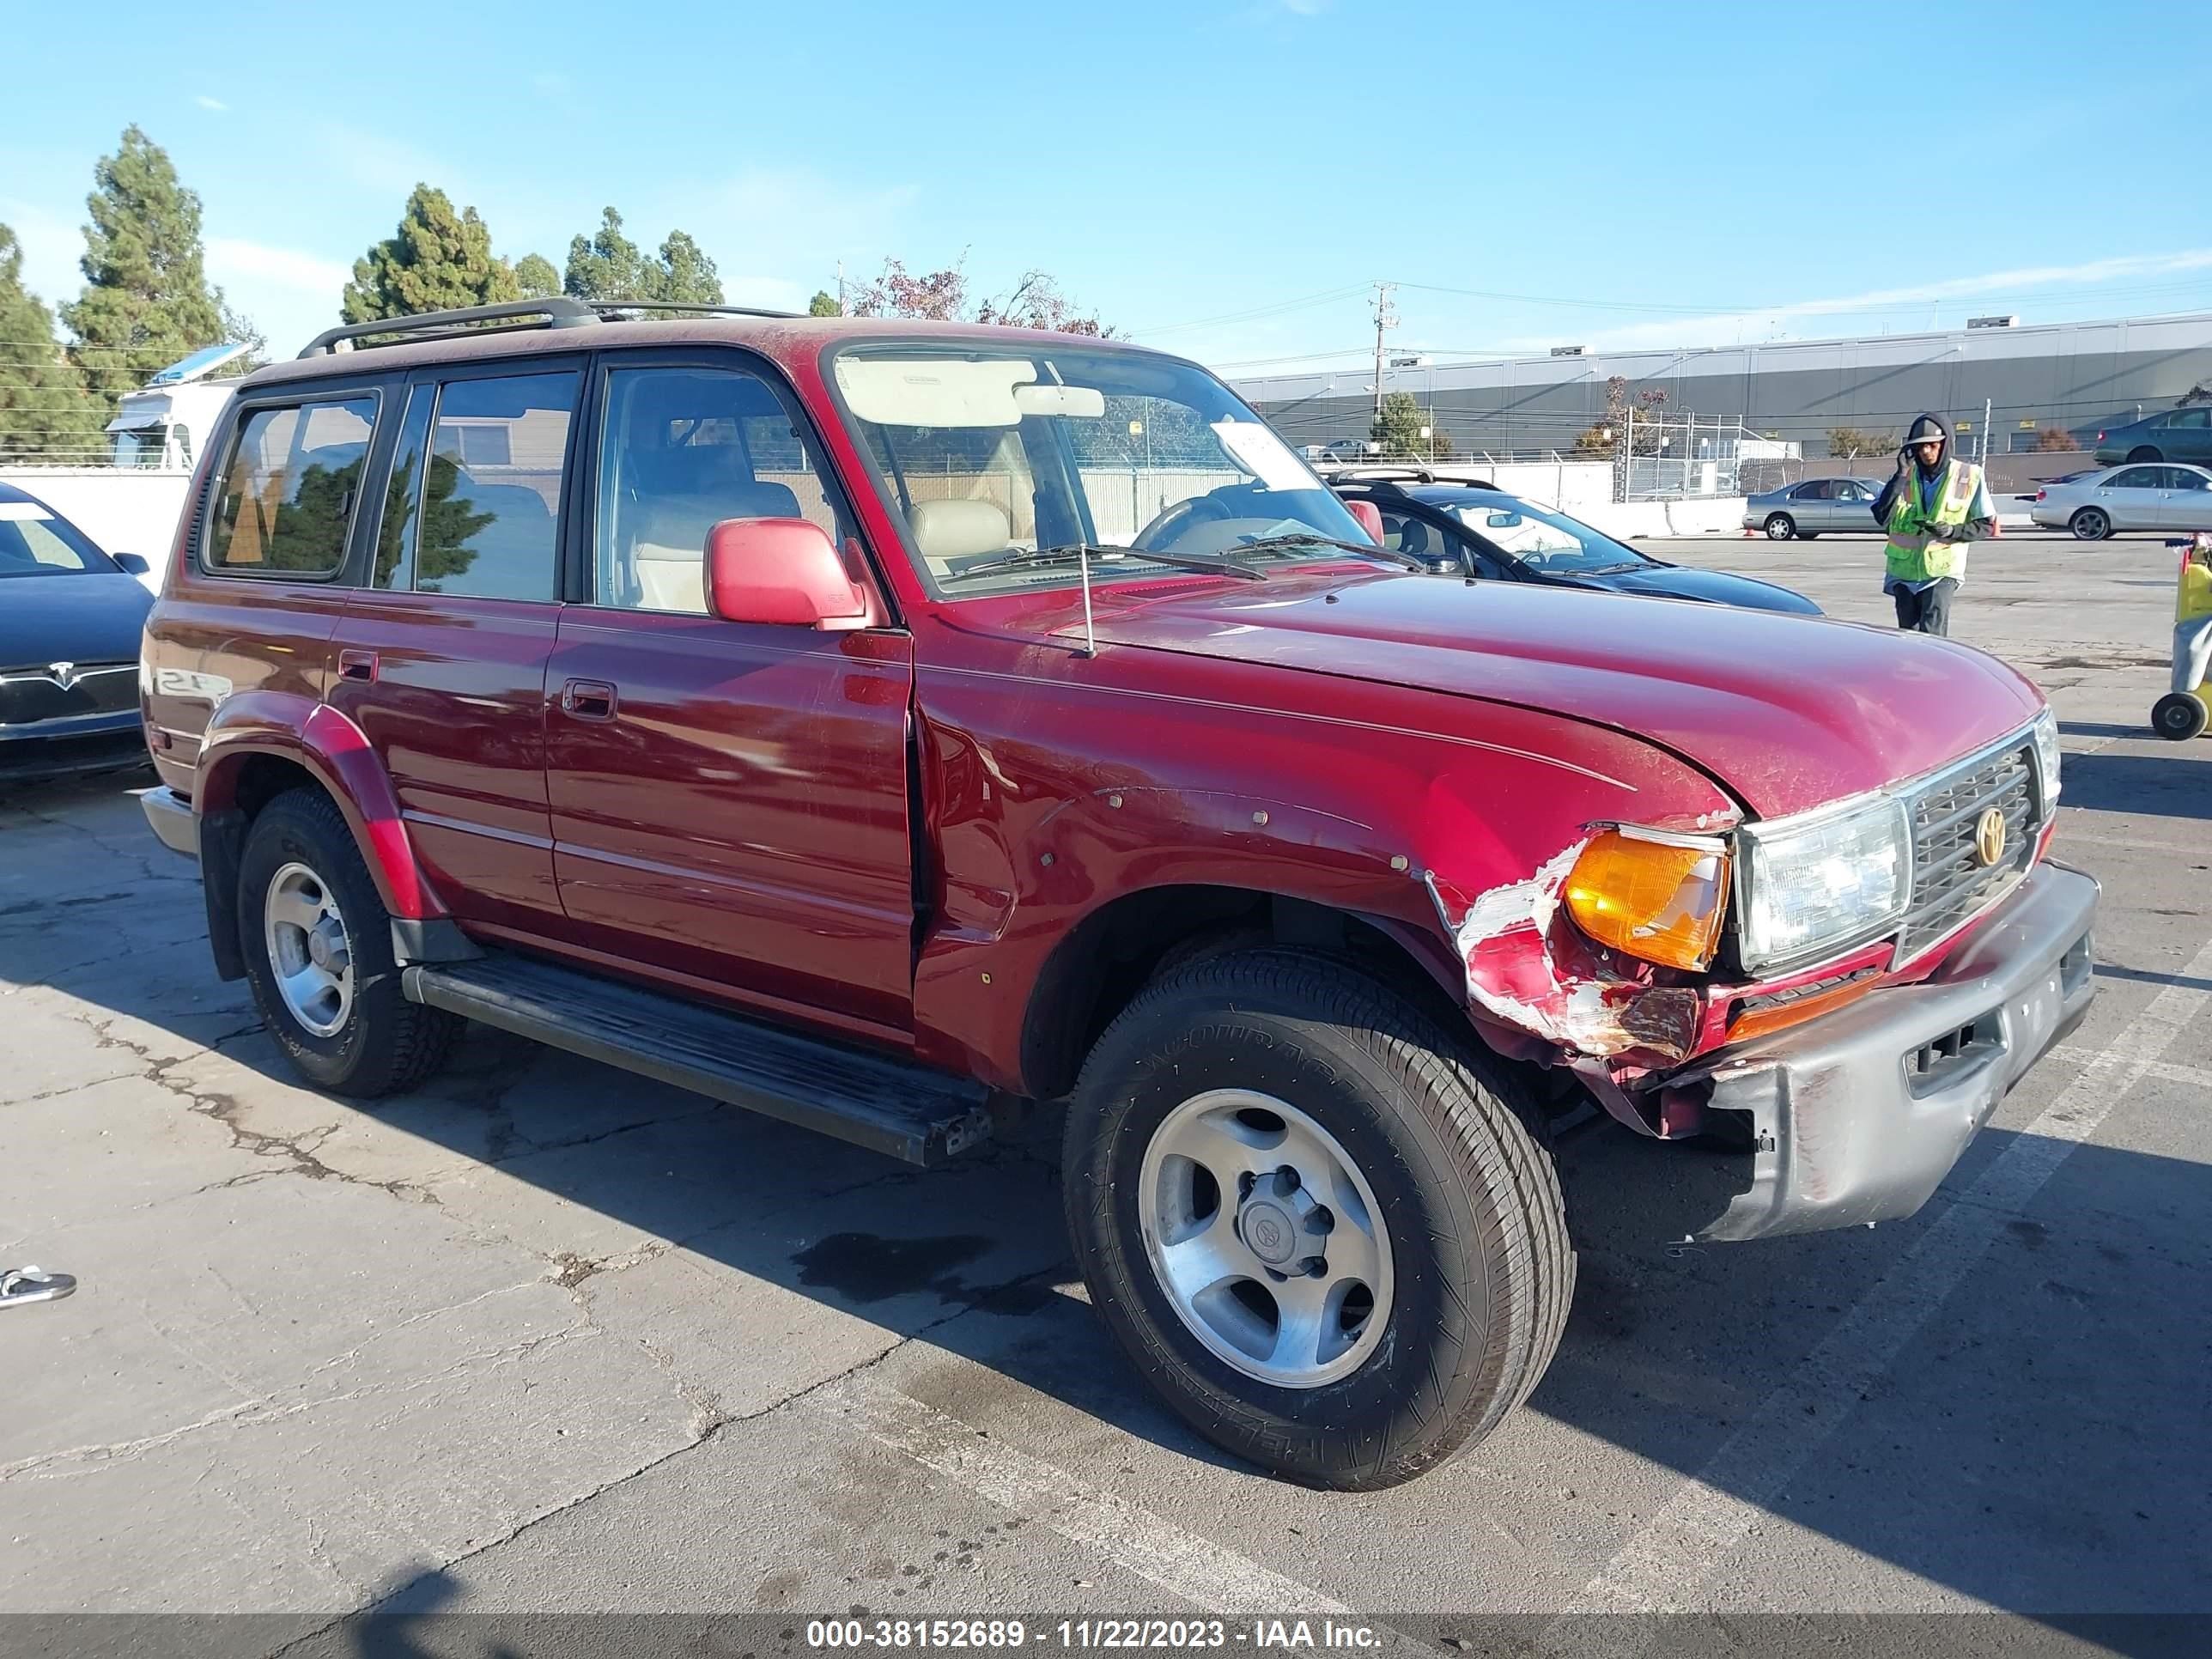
x: 1314, y: 1219
x: 1780, y: 527
x: 2179, y: 716
x: 317, y: 942
x: 2145, y: 452
x: 2091, y: 524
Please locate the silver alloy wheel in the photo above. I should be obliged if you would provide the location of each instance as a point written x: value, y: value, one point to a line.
x: 1779, y: 529
x: 309, y: 954
x: 1265, y: 1238
x: 2091, y: 525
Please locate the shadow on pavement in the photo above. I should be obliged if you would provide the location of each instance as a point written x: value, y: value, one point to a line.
x: 2177, y: 784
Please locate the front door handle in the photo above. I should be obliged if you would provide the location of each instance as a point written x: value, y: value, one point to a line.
x: 589, y: 700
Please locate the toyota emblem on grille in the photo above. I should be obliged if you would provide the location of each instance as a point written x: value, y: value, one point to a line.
x: 62, y: 674
x: 1990, y: 837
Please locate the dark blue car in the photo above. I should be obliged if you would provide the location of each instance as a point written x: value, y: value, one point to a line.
x: 1466, y: 527
x: 70, y: 618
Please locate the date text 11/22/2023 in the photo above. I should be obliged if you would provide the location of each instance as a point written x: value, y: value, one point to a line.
x: 1088, y: 1634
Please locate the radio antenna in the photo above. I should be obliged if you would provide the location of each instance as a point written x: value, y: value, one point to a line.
x: 1089, y: 638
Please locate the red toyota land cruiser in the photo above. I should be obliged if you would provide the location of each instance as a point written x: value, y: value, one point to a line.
x: 879, y: 725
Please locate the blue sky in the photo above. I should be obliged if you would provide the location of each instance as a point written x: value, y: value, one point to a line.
x: 1224, y: 178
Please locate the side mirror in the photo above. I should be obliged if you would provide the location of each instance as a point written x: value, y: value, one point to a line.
x: 784, y: 571
x: 132, y: 563
x: 1370, y: 517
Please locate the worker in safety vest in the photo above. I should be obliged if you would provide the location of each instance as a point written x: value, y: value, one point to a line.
x: 1934, y: 505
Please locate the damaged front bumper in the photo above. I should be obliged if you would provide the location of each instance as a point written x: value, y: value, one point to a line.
x: 1857, y: 1115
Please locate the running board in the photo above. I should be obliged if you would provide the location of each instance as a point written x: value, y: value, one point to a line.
x: 908, y: 1111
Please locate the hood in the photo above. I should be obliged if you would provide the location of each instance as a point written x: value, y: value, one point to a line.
x: 83, y: 617
x: 1790, y: 713
x: 1713, y: 587
x: 1927, y: 426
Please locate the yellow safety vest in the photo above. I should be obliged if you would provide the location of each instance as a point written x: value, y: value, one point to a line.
x: 1914, y: 555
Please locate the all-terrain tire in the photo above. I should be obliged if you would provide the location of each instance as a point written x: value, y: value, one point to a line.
x: 386, y: 1044
x: 1483, y: 1270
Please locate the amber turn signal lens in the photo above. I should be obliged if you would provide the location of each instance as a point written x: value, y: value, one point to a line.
x: 1662, y: 903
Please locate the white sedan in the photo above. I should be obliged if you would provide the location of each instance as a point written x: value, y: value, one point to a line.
x: 2165, y: 496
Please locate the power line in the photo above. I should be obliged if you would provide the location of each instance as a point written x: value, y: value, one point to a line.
x: 1281, y: 308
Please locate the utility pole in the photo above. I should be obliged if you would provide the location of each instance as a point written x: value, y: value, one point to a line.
x: 1384, y: 318
x: 1987, y: 412
x: 841, y: 288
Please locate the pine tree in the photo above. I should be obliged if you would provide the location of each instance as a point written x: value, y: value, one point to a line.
x: 609, y: 266
x: 436, y: 260
x: 146, y: 301
x: 45, y: 409
x: 686, y: 276
x: 535, y: 276
x: 1397, y: 430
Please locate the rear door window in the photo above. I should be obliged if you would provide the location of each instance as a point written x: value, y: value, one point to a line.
x: 288, y: 489
x: 489, y: 523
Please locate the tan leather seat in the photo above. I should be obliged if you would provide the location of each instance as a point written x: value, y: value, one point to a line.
x: 945, y: 530
x: 669, y: 557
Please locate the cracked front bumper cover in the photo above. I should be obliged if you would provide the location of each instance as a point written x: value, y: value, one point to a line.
x: 1857, y: 1116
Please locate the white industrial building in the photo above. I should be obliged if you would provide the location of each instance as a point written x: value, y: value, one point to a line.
x: 2076, y: 377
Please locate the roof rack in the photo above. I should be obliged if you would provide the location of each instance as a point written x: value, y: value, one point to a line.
x: 556, y: 311
x: 1384, y: 475
x: 685, y: 306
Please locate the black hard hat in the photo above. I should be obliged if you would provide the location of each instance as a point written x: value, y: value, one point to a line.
x: 1928, y: 428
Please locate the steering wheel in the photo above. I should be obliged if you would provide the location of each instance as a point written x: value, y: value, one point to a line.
x: 1168, y: 525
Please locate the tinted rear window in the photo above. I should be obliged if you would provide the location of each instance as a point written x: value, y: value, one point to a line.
x: 288, y: 489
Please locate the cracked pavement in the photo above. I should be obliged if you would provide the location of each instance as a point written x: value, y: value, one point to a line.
x: 543, y: 1336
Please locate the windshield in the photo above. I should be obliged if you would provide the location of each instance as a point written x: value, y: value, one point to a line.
x: 35, y: 543
x: 1543, y: 541
x: 143, y: 446
x: 1041, y: 449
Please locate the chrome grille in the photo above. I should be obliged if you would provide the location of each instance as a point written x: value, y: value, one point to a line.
x: 1950, y: 883
x: 30, y: 695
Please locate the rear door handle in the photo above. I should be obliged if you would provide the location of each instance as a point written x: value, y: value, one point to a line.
x: 589, y: 700
x: 357, y: 665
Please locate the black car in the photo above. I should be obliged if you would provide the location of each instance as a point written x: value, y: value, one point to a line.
x: 1469, y: 527
x: 70, y: 618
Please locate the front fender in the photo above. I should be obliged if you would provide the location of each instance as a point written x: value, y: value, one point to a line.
x: 1415, y: 828
x: 336, y: 753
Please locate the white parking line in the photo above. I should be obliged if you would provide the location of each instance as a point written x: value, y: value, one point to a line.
x: 2198, y: 1077
x: 1150, y: 1546
x: 1663, y: 1567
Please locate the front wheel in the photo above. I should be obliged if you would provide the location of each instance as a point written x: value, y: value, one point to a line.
x: 1780, y: 527
x: 317, y: 942
x: 2091, y: 524
x: 2179, y: 716
x: 1316, y: 1222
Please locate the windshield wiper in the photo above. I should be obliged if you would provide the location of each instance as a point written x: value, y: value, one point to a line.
x: 1373, y: 550
x: 1022, y: 558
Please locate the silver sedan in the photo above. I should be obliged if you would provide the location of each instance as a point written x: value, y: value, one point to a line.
x: 1817, y: 504
x: 2166, y: 496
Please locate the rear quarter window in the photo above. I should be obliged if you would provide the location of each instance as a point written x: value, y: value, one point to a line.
x: 288, y: 488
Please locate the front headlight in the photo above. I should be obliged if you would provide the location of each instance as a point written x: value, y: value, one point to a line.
x: 1818, y: 886
x: 2046, y: 756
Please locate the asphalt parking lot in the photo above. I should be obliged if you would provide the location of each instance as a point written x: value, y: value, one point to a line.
x: 546, y: 1337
